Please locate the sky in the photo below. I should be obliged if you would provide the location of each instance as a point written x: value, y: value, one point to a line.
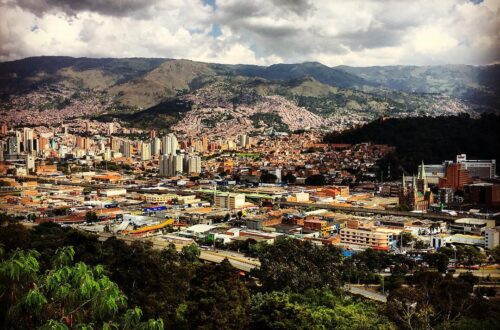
x: 333, y: 32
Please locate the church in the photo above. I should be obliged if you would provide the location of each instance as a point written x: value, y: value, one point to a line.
x: 417, y: 195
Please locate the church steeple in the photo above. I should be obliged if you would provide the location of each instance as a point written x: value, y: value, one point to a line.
x: 422, y: 178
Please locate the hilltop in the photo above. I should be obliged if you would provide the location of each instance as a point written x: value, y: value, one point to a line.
x: 197, y: 97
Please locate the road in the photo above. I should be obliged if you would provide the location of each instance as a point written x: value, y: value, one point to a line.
x: 361, y: 291
x: 239, y: 261
x: 432, y: 216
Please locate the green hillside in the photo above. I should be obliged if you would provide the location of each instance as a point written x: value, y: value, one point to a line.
x: 431, y: 140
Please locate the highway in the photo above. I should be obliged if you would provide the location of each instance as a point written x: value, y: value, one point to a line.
x: 238, y: 261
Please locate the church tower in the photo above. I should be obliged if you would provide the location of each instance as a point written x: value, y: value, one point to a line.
x: 422, y: 179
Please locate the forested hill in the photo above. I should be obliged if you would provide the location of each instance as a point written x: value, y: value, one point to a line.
x: 429, y: 139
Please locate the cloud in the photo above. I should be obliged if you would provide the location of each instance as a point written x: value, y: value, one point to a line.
x: 72, y: 7
x: 361, y: 32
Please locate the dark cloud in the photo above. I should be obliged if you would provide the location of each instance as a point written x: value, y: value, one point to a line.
x: 299, y: 7
x: 72, y: 7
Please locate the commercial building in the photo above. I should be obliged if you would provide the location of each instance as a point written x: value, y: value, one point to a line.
x: 229, y: 201
x: 471, y: 226
x: 482, y: 193
x: 369, y: 237
x: 491, y: 237
x: 485, y: 169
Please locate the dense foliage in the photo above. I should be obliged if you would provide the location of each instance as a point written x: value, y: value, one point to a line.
x: 299, y: 286
x: 427, y: 139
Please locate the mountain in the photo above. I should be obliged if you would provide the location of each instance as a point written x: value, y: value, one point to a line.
x: 198, y: 97
x: 479, y: 85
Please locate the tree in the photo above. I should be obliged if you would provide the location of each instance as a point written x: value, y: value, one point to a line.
x: 437, y: 260
x: 91, y: 216
x: 409, y: 309
x: 289, y: 178
x: 299, y: 265
x: 191, y: 252
x: 217, y: 299
x: 65, y: 296
x: 316, y: 180
x: 496, y: 253
x: 268, y: 178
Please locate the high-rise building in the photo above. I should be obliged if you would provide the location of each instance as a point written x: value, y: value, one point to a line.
x: 456, y: 177
x: 155, y: 146
x: 127, y: 149
x: 14, y: 145
x: 111, y: 129
x: 145, y: 151
x: 192, y: 164
x: 243, y: 140
x: 28, y: 139
x: 169, y: 145
x: 152, y: 134
x: 171, y: 165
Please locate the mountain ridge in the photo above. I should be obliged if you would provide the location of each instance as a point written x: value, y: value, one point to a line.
x: 349, y: 95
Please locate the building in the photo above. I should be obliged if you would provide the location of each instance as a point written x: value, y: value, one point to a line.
x: 369, y: 237
x: 417, y: 196
x: 445, y: 196
x: 169, y: 145
x: 475, y: 168
x: 471, y: 226
x: 171, y: 165
x: 158, y: 198
x: 456, y: 177
x: 113, y: 192
x: 145, y: 151
x: 485, y: 169
x: 482, y: 193
x: 491, y: 237
x: 229, y: 201
x: 127, y: 149
x: 192, y: 164
x: 30, y: 163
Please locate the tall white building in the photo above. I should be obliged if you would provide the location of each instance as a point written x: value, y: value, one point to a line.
x: 169, y: 145
x: 155, y: 146
x: 171, y: 165
x: 145, y: 151
x: 192, y: 164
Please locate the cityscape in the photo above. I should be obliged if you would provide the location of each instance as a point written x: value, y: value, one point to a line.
x: 259, y: 189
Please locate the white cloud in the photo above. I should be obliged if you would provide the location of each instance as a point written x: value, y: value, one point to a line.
x: 364, y: 32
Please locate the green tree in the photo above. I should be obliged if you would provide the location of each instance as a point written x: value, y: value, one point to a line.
x: 496, y: 253
x: 437, y: 260
x: 91, y: 216
x: 299, y: 265
x: 191, y: 252
x: 65, y: 296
